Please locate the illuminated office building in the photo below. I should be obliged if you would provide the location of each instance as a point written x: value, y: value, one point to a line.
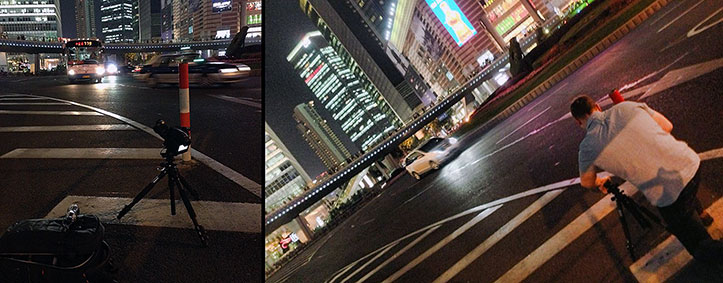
x: 284, y: 179
x: 357, y: 42
x: 36, y: 19
x: 117, y: 19
x: 320, y: 137
x: 362, y: 115
x: 506, y: 19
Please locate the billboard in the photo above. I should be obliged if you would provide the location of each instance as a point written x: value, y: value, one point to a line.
x: 221, y: 6
x: 453, y: 20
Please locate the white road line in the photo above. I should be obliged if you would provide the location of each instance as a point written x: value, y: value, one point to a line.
x: 84, y: 153
x: 573, y: 230
x: 15, y: 97
x: 237, y: 100
x: 346, y: 279
x: 695, y: 30
x: 670, y: 256
x: 111, y: 127
x: 213, y: 215
x: 556, y: 88
x: 523, y: 125
x: 73, y: 113
x: 32, y: 103
x: 442, y: 243
x: 397, y: 254
x: 498, y: 235
x: 681, y: 15
x: 666, y: 13
x: 229, y: 173
x: 563, y: 238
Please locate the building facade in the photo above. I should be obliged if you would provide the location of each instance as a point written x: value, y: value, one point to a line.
x: 85, y: 18
x: 149, y: 20
x: 182, y: 20
x: 363, y: 116
x: 166, y: 20
x: 285, y: 179
x: 320, y: 137
x: 214, y: 19
x: 364, y: 52
x: 32, y: 20
x: 251, y: 17
x: 117, y: 18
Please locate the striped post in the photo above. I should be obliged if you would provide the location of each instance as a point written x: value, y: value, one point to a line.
x: 184, y: 103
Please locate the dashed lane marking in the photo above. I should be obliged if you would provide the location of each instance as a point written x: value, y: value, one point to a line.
x: 523, y: 125
x: 680, y: 16
x: 213, y: 215
x: 111, y: 127
x: 399, y: 253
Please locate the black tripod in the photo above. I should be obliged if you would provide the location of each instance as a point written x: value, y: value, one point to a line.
x: 638, y: 212
x: 175, y: 180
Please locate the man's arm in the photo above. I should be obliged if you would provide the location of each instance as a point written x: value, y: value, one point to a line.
x: 664, y: 123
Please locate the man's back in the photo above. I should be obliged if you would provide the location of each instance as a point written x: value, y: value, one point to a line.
x: 626, y: 141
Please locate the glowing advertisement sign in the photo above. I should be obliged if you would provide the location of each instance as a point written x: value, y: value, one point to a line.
x: 453, y: 20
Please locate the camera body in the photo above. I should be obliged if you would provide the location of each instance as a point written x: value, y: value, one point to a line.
x: 176, y: 140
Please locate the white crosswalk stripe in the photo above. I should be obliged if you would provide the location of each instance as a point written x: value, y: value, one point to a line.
x: 213, y: 215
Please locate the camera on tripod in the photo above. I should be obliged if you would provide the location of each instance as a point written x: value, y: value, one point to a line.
x: 175, y: 139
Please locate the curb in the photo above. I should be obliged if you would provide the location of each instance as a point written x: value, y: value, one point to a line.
x: 580, y: 61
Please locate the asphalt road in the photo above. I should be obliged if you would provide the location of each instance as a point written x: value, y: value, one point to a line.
x: 479, y: 217
x: 148, y: 244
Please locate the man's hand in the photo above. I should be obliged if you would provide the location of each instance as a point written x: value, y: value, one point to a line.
x: 600, y: 184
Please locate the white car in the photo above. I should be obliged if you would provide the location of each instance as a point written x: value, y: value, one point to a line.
x: 430, y: 155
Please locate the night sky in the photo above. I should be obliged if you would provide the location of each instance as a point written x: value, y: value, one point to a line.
x: 285, y: 25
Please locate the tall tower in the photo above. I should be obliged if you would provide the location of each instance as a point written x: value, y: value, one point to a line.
x: 285, y: 179
x: 85, y: 18
x: 364, y: 50
x: 31, y: 19
x: 320, y: 137
x: 117, y: 20
x: 362, y: 115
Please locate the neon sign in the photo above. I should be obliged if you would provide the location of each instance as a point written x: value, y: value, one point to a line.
x: 456, y: 23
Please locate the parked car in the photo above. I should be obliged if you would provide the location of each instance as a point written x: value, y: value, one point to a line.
x: 432, y: 154
x: 164, y: 69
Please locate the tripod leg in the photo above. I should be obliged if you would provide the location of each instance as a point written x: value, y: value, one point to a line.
x: 626, y: 230
x: 171, y: 189
x: 192, y: 214
x: 142, y: 194
x: 634, y: 209
x: 193, y: 192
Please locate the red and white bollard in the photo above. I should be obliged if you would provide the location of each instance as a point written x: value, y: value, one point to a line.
x: 616, y: 96
x: 184, y: 103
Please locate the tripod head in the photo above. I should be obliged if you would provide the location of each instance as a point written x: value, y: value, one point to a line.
x: 175, y: 139
x: 614, y: 189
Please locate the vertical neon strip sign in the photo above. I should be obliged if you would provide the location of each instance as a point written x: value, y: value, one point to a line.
x: 456, y: 23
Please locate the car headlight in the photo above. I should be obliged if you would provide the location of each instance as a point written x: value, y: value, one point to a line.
x: 71, y: 72
x: 452, y: 141
x: 99, y: 70
x: 229, y: 70
x: 112, y: 68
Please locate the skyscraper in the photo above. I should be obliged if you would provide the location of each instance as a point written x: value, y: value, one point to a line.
x: 31, y: 19
x: 364, y: 51
x: 85, y: 18
x: 166, y: 20
x: 149, y: 21
x: 285, y: 179
x: 117, y: 20
x: 363, y: 116
x: 320, y: 137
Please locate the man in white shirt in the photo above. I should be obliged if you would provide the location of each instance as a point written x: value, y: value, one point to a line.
x: 633, y: 141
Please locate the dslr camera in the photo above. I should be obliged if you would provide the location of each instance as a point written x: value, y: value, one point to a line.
x: 176, y: 140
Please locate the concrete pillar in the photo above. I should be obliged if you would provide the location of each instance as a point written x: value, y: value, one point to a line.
x: 304, y: 227
x: 36, y: 63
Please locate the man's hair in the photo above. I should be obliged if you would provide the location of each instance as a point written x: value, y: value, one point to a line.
x: 582, y: 106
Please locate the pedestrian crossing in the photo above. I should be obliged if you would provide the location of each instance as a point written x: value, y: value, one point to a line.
x: 214, y: 215
x: 390, y: 262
